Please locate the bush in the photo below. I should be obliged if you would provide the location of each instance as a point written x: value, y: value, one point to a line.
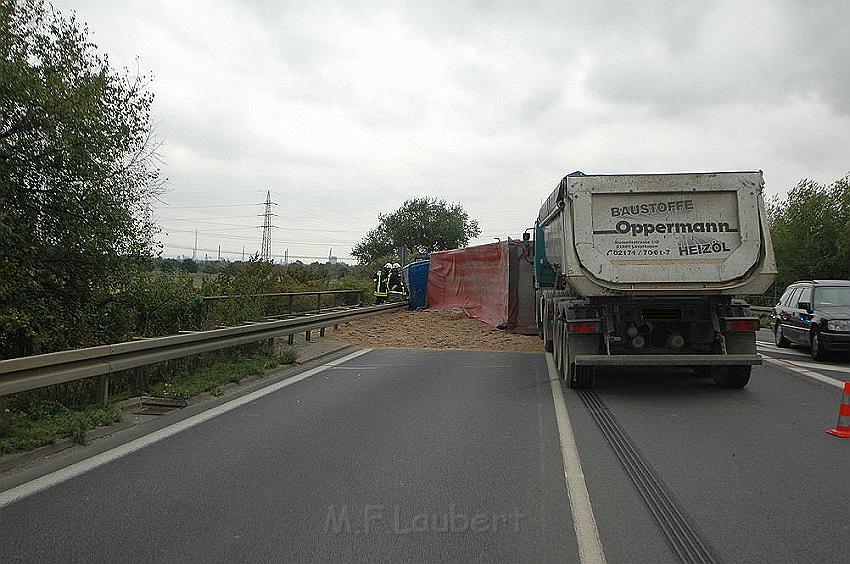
x: 153, y: 305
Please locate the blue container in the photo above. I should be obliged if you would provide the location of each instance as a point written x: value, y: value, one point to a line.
x: 417, y: 283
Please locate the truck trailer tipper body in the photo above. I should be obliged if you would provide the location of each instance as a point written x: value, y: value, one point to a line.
x: 642, y: 270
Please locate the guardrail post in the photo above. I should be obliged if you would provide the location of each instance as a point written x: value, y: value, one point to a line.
x: 321, y: 332
x: 290, y: 304
x: 318, y: 303
x: 290, y: 339
x: 307, y: 335
x: 103, y: 389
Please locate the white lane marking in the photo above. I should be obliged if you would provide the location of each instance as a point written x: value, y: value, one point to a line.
x: 809, y: 364
x: 817, y: 365
x: 796, y: 352
x: 589, y: 545
x: 789, y: 365
x: 773, y: 348
x: 29, y: 488
x: 385, y: 366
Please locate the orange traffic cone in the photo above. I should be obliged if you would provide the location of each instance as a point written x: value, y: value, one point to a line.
x: 842, y: 429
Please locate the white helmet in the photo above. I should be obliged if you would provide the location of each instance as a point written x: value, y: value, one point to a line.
x: 388, y: 265
x: 396, y: 265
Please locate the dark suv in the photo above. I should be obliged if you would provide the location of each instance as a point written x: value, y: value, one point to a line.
x: 814, y: 313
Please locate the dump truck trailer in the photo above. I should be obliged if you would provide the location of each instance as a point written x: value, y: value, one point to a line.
x: 642, y: 270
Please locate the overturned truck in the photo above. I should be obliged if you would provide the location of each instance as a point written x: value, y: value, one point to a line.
x: 642, y: 270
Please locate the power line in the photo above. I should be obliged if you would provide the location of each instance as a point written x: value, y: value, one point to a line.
x: 204, y: 219
x: 247, y: 238
x: 233, y: 227
x: 237, y: 253
x: 170, y: 207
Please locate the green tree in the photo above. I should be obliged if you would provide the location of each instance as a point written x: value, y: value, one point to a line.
x: 422, y: 225
x: 810, y: 229
x: 189, y: 265
x: 77, y: 172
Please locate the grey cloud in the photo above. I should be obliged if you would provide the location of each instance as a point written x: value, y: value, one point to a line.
x: 488, y: 103
x: 770, y: 55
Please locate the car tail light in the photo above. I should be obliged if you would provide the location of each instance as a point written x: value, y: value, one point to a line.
x: 742, y: 324
x: 584, y: 326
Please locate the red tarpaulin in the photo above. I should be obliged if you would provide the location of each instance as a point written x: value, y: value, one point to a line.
x: 475, y: 279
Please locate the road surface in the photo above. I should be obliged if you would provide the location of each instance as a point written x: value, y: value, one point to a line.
x: 456, y: 455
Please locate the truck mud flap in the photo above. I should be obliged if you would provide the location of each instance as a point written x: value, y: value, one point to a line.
x: 668, y: 360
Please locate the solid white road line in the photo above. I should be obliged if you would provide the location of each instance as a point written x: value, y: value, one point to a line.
x: 799, y: 363
x: 816, y: 365
x: 789, y: 365
x: 789, y: 352
x: 24, y: 490
x: 589, y: 545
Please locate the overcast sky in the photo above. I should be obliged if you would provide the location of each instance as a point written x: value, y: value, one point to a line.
x: 345, y: 109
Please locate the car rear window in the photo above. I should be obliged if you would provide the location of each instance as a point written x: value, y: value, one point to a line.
x: 832, y: 296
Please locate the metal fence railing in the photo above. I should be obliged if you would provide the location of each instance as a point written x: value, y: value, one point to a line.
x: 216, y: 309
x: 37, y: 371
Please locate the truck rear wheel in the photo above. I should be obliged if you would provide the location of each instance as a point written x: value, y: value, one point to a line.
x: 581, y: 377
x: 556, y: 345
x: 731, y: 376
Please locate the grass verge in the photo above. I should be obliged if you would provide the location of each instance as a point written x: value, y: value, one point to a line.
x: 32, y: 424
x: 210, y: 378
x: 48, y: 421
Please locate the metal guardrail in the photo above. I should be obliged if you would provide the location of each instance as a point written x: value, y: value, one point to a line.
x: 38, y: 371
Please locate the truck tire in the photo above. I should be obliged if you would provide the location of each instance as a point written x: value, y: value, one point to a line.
x: 557, y: 351
x: 779, y: 338
x: 731, y: 376
x: 581, y: 377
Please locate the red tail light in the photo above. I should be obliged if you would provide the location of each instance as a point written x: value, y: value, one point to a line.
x: 584, y: 327
x: 742, y: 324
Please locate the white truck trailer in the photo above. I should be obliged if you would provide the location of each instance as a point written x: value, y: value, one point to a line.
x: 642, y: 270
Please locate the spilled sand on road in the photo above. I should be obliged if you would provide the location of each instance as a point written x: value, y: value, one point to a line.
x: 448, y: 329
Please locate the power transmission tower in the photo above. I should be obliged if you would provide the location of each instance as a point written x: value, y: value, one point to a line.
x: 266, y: 251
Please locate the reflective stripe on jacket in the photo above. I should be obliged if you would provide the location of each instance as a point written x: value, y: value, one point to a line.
x: 380, y: 284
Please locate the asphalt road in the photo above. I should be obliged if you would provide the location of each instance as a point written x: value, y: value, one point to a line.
x: 454, y: 455
x: 393, y: 456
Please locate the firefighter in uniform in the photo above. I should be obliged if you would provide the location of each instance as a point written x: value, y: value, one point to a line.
x: 397, y: 280
x: 382, y: 282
